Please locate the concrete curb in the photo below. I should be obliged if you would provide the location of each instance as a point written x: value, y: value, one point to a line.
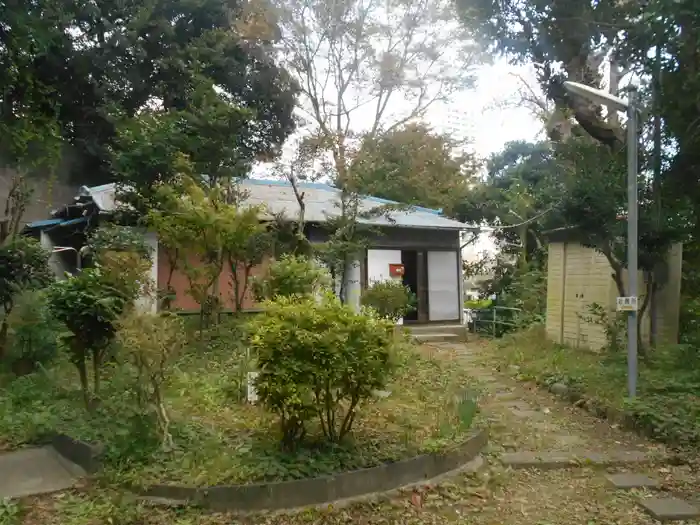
x: 287, y: 495
x: 85, y: 455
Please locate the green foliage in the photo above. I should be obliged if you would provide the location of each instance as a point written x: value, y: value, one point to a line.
x: 89, y: 308
x: 9, y: 512
x: 24, y: 264
x: 478, y: 304
x: 614, y: 325
x: 318, y: 359
x: 291, y: 275
x: 33, y: 333
x: 81, y: 85
x: 115, y: 238
x: 666, y: 407
x: 201, y: 230
x: 414, y: 166
x: 152, y: 343
x: 90, y: 302
x: 220, y: 440
x: 390, y: 298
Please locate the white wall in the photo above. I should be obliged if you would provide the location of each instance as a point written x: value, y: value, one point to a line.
x: 57, y: 263
x: 378, y: 262
x: 444, y: 302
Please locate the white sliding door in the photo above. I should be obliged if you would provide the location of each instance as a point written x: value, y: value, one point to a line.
x: 443, y: 286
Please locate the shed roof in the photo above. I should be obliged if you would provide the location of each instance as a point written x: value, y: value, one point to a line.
x: 322, y: 203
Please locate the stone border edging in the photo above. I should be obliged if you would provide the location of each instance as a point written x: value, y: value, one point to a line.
x: 287, y: 495
x: 85, y: 455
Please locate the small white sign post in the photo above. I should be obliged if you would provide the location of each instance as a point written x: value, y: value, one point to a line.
x: 626, y: 304
x: 252, y: 393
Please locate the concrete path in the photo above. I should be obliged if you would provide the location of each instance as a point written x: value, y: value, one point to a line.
x: 34, y: 471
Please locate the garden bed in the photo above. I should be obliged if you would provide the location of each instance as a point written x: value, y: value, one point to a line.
x: 222, y: 440
x: 667, y: 406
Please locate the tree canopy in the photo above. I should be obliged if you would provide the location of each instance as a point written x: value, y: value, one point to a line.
x: 413, y: 165
x: 92, y: 66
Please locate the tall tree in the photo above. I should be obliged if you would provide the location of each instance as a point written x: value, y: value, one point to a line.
x: 356, y: 59
x: 414, y: 165
x: 101, y: 62
x: 358, y: 62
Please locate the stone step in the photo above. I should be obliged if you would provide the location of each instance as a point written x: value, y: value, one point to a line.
x: 669, y: 509
x: 626, y: 480
x: 32, y: 471
x: 433, y: 328
x: 557, y: 460
x: 436, y: 337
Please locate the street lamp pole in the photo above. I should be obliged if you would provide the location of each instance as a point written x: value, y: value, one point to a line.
x: 632, y: 239
x: 630, y: 107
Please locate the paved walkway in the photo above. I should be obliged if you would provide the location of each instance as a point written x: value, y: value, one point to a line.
x: 553, y: 461
x: 32, y: 471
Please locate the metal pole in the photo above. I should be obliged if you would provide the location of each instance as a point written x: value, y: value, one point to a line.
x: 632, y: 240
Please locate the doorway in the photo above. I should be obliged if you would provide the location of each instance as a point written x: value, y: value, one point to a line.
x: 414, y: 267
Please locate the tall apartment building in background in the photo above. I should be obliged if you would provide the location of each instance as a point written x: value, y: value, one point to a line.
x: 457, y: 123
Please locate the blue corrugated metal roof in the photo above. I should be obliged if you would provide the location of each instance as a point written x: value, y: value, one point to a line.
x: 41, y: 224
x: 54, y: 222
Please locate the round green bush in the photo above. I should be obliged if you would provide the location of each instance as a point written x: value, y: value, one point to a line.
x: 318, y: 360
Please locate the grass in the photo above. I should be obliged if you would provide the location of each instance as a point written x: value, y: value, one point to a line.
x: 667, y: 406
x: 494, y: 495
x: 223, y: 440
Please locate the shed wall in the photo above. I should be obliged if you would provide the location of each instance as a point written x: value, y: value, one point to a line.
x: 579, y: 277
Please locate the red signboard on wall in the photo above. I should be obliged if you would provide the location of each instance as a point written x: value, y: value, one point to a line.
x: 396, y: 270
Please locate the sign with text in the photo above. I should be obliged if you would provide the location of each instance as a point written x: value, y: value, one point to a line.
x: 626, y: 304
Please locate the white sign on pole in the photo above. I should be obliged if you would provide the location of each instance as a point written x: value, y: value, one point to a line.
x: 626, y: 304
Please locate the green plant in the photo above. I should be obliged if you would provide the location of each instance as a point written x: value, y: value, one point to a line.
x: 9, y: 512
x: 391, y: 299
x: 33, y: 333
x: 318, y: 358
x: 614, y: 325
x: 24, y: 265
x: 116, y: 238
x: 89, y: 307
x: 291, y: 275
x: 152, y: 343
x: 478, y: 304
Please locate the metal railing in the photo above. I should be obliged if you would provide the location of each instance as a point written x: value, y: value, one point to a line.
x: 493, y: 321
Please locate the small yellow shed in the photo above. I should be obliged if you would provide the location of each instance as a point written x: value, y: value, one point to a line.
x: 579, y: 276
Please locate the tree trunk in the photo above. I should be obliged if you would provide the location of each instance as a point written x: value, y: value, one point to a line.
x: 650, y: 285
x: 4, y: 327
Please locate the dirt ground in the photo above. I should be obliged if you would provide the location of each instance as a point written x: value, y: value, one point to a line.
x: 519, y: 417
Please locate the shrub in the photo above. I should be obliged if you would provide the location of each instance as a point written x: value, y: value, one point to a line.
x: 89, y: 307
x: 152, y: 342
x: 391, y: 299
x: 318, y: 358
x: 33, y: 333
x: 91, y: 302
x: 291, y: 275
x: 24, y: 265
